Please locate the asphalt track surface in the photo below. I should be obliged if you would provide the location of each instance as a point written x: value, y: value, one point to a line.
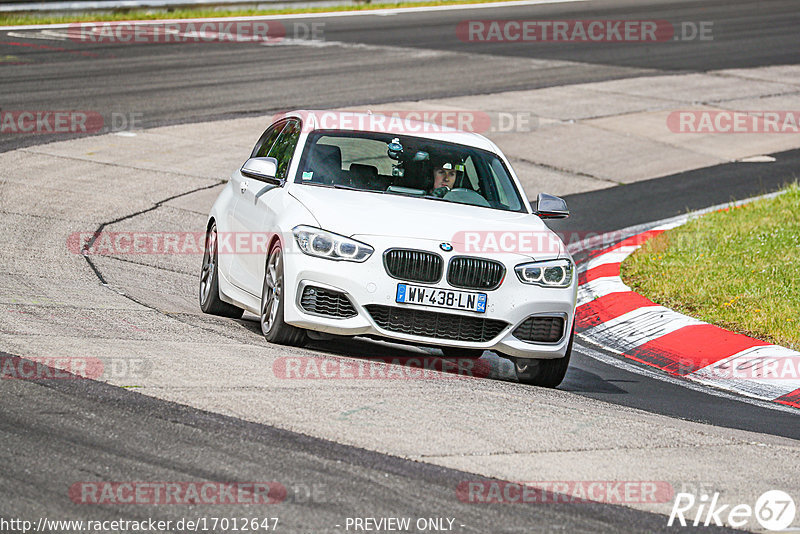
x: 57, y: 433
x: 124, y: 436
x: 381, y: 59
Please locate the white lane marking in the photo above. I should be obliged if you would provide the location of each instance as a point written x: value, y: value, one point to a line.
x: 329, y: 14
x: 758, y: 159
x: 639, y: 326
x: 627, y: 365
x: 318, y: 43
x: 614, y: 256
x: 600, y: 287
x: 673, y: 224
x: 47, y: 35
x: 765, y: 372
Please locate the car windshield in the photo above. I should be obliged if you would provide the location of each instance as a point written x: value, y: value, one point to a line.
x: 410, y: 166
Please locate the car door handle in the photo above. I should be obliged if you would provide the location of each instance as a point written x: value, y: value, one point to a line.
x: 243, y: 187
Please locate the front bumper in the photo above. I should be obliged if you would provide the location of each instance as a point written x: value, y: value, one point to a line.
x: 368, y: 283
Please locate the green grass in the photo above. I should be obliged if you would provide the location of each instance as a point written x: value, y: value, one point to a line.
x: 150, y: 14
x: 738, y: 268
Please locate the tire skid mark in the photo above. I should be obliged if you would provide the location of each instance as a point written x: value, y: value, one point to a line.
x: 53, y: 48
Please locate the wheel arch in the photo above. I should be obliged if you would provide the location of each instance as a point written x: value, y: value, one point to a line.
x: 274, y: 239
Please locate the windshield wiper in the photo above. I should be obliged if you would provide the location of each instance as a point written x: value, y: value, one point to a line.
x: 342, y: 186
x: 334, y: 186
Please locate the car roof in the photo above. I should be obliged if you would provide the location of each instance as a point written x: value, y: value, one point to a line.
x: 398, y: 122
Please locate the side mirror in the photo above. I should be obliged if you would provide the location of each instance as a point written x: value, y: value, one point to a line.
x: 263, y: 169
x: 550, y: 207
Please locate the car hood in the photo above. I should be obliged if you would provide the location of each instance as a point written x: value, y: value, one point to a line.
x: 467, y: 228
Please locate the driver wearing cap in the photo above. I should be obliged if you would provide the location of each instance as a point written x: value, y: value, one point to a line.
x: 445, y: 173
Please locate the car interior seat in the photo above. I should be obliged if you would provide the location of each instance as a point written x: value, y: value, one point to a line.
x: 326, y: 164
x: 364, y: 176
x: 418, y: 175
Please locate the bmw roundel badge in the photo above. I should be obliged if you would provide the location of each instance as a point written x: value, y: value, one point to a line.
x: 447, y: 247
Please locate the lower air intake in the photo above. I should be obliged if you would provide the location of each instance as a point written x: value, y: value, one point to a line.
x: 540, y: 329
x: 435, y: 325
x: 323, y: 301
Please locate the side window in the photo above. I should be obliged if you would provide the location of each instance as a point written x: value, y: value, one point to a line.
x: 267, y: 140
x: 283, y: 149
x: 504, y: 186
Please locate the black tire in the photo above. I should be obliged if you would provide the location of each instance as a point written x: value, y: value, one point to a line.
x: 273, y: 326
x: 209, y: 281
x: 456, y: 353
x: 544, y: 373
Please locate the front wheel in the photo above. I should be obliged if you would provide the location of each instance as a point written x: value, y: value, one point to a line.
x: 544, y: 373
x: 273, y: 327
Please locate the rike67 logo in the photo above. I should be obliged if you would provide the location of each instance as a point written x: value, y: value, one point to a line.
x: 774, y: 510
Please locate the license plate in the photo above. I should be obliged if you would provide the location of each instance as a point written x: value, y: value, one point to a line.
x: 441, y: 298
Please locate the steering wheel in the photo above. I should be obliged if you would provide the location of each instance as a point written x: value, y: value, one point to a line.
x: 463, y: 195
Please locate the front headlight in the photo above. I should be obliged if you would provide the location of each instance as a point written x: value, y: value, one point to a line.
x: 551, y: 273
x: 324, y: 244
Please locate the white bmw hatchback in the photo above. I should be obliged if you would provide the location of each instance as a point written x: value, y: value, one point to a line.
x: 343, y: 224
